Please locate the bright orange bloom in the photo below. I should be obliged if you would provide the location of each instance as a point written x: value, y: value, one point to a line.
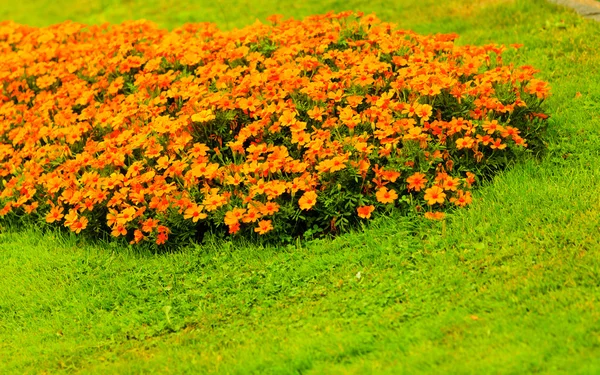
x: 252, y: 215
x: 234, y: 216
x: 424, y: 112
x: 308, y: 200
x: 497, y: 144
x: 203, y: 116
x: 451, y: 183
x: 138, y: 236
x: 79, y: 225
x: 149, y: 224
x: 195, y: 213
x: 466, y: 142
x: 417, y: 181
x: 234, y: 228
x: 463, y: 199
x: 434, y: 195
x: 316, y: 113
x: 434, y: 215
x: 213, y: 202
x: 119, y: 230
x: 162, y: 238
x: 492, y: 126
x: 386, y: 196
x: 270, y: 208
x: 264, y: 226
x: 55, y: 214
x: 365, y: 211
x: 125, y: 216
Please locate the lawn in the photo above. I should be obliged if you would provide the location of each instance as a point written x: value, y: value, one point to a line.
x: 509, y: 285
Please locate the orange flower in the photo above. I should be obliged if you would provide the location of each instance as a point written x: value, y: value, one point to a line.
x: 162, y: 238
x: 497, y: 144
x: 450, y: 183
x: 434, y: 195
x: 365, y: 211
x: 252, y: 215
x: 270, y: 208
x: 213, y: 202
x: 195, y: 213
x: 55, y: 214
x: 45, y: 81
x: 138, y: 236
x: 79, y: 225
x: 264, y: 226
x: 234, y: 228
x: 417, y: 181
x: 203, y: 116
x: 423, y: 111
x: 463, y: 199
x: 119, y: 230
x: 434, y: 215
x: 386, y: 196
x: 149, y: 224
x: 308, y: 200
x: 234, y: 216
x: 466, y: 142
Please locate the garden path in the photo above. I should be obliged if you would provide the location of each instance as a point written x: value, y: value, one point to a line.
x: 586, y: 8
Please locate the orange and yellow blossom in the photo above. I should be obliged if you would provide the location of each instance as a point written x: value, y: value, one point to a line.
x: 364, y: 212
x: 195, y: 213
x: 386, y: 196
x: 417, y: 181
x: 55, y: 214
x: 308, y: 200
x: 434, y: 194
x: 234, y: 216
x: 436, y: 215
x: 264, y: 226
x: 463, y: 198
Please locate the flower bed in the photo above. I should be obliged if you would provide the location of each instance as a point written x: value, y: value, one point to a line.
x: 301, y: 127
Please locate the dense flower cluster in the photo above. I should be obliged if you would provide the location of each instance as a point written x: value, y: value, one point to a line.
x: 286, y: 128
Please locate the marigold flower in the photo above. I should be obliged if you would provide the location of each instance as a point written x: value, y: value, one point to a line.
x: 119, y: 230
x: 234, y: 228
x: 417, y: 181
x: 162, y: 238
x: 78, y: 225
x: 270, y: 208
x: 234, y: 216
x: 497, y: 144
x: 55, y: 214
x: 264, y: 226
x: 463, y: 199
x: 195, y: 213
x: 386, y: 196
x: 203, y: 116
x: 450, y: 183
x: 252, y: 215
x: 149, y: 224
x: 466, y: 142
x: 308, y: 200
x: 436, y: 215
x: 434, y: 195
x: 365, y: 211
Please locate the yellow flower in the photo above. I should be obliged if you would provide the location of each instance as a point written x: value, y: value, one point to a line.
x: 386, y: 196
x: 308, y: 200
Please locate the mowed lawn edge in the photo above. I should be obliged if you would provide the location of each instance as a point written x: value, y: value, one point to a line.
x: 509, y: 285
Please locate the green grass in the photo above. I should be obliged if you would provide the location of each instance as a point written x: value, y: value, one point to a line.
x: 510, y: 285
